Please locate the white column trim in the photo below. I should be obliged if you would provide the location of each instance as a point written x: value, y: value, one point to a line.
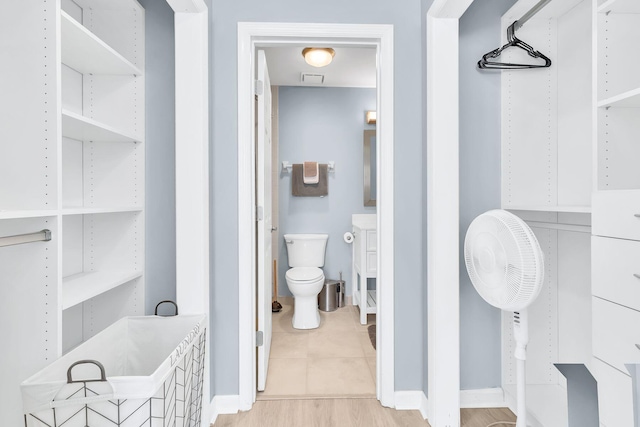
x: 249, y: 36
x: 443, y: 249
x: 192, y: 165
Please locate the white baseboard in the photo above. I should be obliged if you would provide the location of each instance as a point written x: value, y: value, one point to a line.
x: 229, y: 404
x: 412, y: 400
x: 483, y: 398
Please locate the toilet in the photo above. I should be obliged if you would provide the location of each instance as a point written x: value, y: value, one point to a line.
x: 305, y: 278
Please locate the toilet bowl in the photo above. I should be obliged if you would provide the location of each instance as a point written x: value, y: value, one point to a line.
x: 305, y: 278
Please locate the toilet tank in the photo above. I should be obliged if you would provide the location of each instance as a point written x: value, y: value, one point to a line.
x: 306, y: 250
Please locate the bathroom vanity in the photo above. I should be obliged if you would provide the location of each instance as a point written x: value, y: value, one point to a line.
x: 365, y: 264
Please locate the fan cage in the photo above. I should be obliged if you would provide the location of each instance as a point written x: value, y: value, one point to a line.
x: 519, y: 281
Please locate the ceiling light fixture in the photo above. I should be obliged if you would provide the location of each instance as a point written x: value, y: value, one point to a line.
x: 318, y: 56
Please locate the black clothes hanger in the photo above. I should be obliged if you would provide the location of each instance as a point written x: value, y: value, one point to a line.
x: 486, y: 62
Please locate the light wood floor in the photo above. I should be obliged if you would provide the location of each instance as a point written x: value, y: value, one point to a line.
x: 335, y: 360
x: 346, y: 413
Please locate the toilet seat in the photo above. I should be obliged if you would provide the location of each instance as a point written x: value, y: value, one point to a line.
x: 304, y: 274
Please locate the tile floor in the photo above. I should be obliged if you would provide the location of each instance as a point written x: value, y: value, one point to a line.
x: 335, y: 360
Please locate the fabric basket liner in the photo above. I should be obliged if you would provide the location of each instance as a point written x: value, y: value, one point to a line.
x: 138, y: 354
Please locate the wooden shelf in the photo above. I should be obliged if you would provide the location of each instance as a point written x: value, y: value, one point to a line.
x: 620, y: 6
x: 92, y: 211
x: 82, y: 128
x: 8, y: 214
x: 84, y: 286
x: 564, y: 209
x: 546, y: 403
x: 87, y: 54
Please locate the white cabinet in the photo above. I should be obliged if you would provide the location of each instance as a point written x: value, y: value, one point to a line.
x: 616, y: 208
x: 616, y: 271
x: 615, y: 334
x: 365, y: 263
x: 72, y: 161
x: 617, y: 214
x: 615, y: 395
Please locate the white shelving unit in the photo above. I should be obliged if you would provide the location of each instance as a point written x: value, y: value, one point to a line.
x: 629, y: 99
x: 547, y: 176
x: 88, y: 54
x: 546, y: 113
x: 616, y: 228
x: 75, y: 126
x: 619, y: 6
x: 568, y: 151
x: 81, y: 287
x: 73, y: 155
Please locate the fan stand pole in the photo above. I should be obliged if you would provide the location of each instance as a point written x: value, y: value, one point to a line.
x: 521, y: 405
x: 521, y: 337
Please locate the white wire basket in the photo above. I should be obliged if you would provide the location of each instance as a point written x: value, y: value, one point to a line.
x: 140, y: 371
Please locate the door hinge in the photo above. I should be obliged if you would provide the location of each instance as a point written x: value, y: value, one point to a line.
x: 259, y: 87
x: 259, y: 213
x: 259, y: 338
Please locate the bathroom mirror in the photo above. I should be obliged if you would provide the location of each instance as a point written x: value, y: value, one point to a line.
x: 370, y: 173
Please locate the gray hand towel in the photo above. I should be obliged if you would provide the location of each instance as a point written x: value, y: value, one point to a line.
x: 299, y: 188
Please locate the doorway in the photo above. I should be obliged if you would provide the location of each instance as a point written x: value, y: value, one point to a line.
x: 250, y: 37
x: 324, y: 121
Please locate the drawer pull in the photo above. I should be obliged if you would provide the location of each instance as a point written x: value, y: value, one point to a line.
x: 638, y: 346
x: 636, y: 275
x: 637, y: 215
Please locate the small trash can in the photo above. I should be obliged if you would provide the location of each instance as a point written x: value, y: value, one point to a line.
x: 331, y: 296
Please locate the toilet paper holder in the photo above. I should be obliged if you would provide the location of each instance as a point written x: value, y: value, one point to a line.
x: 349, y: 237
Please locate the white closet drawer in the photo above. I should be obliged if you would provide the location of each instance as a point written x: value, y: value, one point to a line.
x: 615, y: 395
x: 615, y: 333
x: 614, y: 214
x: 372, y: 240
x: 614, y: 263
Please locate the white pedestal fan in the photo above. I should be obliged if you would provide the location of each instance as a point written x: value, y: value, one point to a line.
x: 506, y: 266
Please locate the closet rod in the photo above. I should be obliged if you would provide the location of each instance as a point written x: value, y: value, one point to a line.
x: 535, y: 9
x: 40, y: 236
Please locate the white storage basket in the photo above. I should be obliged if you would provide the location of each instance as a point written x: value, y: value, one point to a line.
x: 140, y: 371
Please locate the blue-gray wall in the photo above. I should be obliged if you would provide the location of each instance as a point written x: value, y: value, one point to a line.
x: 409, y: 285
x: 480, y: 355
x: 160, y: 188
x: 479, y: 180
x: 323, y: 124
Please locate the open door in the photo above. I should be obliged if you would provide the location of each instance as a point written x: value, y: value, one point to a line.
x: 263, y: 203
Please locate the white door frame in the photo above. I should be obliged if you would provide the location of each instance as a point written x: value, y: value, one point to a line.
x: 443, y: 210
x: 250, y: 36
